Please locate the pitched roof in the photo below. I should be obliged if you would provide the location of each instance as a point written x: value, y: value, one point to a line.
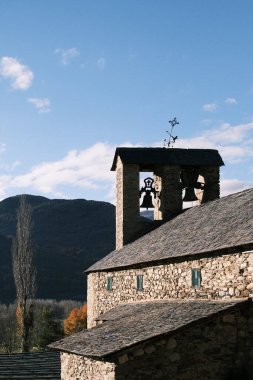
x: 44, y: 365
x: 123, y: 327
x: 147, y: 158
x: 225, y: 223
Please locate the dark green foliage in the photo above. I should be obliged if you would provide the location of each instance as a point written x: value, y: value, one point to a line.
x: 46, y: 329
x: 70, y: 235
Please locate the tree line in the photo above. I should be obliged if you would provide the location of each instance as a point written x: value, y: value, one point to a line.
x: 53, y: 320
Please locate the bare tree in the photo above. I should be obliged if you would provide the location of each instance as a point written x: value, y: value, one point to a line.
x: 24, y: 270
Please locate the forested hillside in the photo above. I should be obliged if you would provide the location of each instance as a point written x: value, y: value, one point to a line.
x: 70, y: 235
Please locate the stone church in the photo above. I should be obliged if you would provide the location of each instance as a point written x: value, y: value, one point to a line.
x: 174, y: 300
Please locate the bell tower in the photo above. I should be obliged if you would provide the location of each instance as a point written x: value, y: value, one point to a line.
x: 179, y: 175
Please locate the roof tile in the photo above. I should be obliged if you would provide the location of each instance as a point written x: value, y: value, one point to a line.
x: 123, y: 327
x: 214, y: 226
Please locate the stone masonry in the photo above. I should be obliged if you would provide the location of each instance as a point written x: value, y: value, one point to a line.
x: 211, y: 175
x: 76, y: 367
x: 127, y: 203
x: 219, y: 349
x: 216, y: 349
x: 167, y: 182
x: 128, y: 223
x: 225, y: 276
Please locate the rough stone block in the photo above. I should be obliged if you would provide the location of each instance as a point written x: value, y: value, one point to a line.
x: 138, y: 352
x: 171, y: 343
x: 149, y: 349
x: 123, y: 359
x: 161, y: 342
x: 229, y: 318
x: 250, y: 286
x: 175, y: 357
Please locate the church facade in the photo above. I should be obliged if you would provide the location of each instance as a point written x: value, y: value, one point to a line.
x: 174, y: 300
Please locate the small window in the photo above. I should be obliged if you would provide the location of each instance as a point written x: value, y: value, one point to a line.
x: 109, y: 283
x: 139, y: 282
x: 196, y: 278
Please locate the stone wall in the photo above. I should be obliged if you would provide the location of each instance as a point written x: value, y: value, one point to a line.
x: 75, y: 367
x: 167, y: 183
x: 211, y: 176
x: 220, y: 348
x: 127, y: 203
x: 225, y: 276
x: 169, y: 202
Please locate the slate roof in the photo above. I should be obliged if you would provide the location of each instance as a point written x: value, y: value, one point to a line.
x: 223, y: 224
x: 130, y: 324
x: 148, y: 158
x: 37, y: 365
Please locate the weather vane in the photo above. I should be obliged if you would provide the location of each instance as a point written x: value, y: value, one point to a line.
x: 169, y: 143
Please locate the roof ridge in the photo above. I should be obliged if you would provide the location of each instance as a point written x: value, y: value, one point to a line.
x: 190, y: 233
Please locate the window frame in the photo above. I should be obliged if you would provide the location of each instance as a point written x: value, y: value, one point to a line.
x: 139, y: 282
x: 109, y: 281
x: 196, y: 278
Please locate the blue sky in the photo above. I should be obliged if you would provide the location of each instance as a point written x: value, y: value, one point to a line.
x: 78, y: 78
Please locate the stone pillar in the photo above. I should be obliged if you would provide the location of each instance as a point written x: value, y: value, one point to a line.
x: 211, y: 176
x: 91, y: 281
x: 199, y: 192
x: 127, y: 203
x: 167, y: 182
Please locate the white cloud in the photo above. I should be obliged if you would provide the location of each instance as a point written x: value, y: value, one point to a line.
x: 4, y: 185
x: 42, y: 105
x: 21, y: 76
x: 233, y: 142
x: 101, y: 63
x: 87, y: 169
x: 227, y: 133
x: 90, y: 168
x: 229, y: 186
x: 210, y: 107
x: 231, y: 101
x: 67, y: 55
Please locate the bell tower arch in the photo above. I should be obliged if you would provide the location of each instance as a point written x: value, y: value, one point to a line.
x: 179, y: 175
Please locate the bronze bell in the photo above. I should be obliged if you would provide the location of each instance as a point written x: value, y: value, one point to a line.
x: 147, y: 201
x: 148, y: 189
x: 190, y: 195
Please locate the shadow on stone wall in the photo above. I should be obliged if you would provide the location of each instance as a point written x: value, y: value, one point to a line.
x: 238, y: 374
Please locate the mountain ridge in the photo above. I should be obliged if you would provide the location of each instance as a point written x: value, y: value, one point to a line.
x: 70, y: 235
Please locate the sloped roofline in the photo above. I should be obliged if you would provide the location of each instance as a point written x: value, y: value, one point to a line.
x: 248, y: 247
x: 148, y: 158
x: 123, y: 329
x: 219, y: 226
